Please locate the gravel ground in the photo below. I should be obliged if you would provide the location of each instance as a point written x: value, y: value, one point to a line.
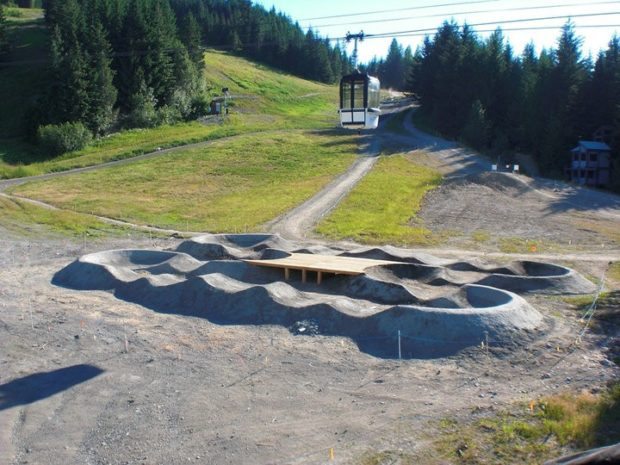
x: 89, y: 379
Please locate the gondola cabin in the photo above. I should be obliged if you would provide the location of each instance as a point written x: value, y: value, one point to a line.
x: 359, y: 101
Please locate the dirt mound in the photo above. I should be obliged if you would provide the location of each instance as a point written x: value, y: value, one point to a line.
x: 371, y: 309
x: 527, y: 276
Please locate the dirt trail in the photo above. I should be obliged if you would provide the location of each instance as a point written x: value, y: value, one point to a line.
x: 450, y: 158
x: 6, y: 183
x: 299, y: 222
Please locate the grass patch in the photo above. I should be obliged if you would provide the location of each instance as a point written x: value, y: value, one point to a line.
x: 480, y: 237
x: 613, y: 272
x: 231, y: 185
x: 605, y: 317
x: 20, y: 15
x: 383, y: 206
x: 26, y: 219
x: 538, y: 432
x: 520, y: 245
x: 385, y: 458
x: 423, y: 122
x: 263, y: 99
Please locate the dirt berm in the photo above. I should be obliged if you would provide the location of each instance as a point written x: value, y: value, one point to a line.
x: 438, y: 310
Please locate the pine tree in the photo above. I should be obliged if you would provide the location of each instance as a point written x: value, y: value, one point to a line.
x: 568, y: 74
x: 4, y: 39
x: 476, y: 130
x: 393, y: 68
x: 69, y: 65
x: 191, y: 36
x: 101, y: 91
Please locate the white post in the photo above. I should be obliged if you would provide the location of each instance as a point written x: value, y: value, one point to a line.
x: 400, y: 355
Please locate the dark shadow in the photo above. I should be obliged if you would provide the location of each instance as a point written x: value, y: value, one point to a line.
x: 579, y: 198
x: 39, y: 386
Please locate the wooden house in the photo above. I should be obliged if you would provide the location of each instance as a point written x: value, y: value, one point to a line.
x: 590, y: 164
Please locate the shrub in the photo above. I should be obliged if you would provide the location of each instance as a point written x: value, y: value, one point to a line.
x: 55, y: 139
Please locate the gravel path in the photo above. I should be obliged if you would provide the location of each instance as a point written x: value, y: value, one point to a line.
x: 300, y: 221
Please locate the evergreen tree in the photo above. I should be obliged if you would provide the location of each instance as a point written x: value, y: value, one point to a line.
x: 4, y: 38
x: 476, y: 130
x: 69, y: 65
x: 393, y: 68
x: 100, y: 89
x: 568, y: 74
x: 191, y: 35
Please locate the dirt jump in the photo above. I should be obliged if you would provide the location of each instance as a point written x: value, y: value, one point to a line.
x: 425, y: 306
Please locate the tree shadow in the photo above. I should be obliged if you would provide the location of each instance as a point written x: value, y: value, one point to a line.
x: 39, y: 386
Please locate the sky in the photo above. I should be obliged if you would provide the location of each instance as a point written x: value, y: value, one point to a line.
x: 595, y: 21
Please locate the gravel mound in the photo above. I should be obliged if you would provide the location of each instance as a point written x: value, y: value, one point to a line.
x: 206, y: 276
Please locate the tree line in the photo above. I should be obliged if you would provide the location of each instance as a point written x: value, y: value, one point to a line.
x: 137, y: 63
x: 266, y: 36
x: 393, y: 70
x: 479, y: 91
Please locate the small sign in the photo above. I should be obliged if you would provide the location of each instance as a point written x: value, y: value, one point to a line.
x: 493, y: 167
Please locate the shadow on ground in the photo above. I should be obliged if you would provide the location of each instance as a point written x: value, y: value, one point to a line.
x: 39, y: 386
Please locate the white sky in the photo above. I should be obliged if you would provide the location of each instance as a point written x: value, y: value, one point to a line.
x: 389, y: 16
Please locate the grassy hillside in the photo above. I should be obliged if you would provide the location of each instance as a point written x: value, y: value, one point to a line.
x: 288, y: 101
x: 383, y: 206
x: 263, y: 99
x: 231, y: 185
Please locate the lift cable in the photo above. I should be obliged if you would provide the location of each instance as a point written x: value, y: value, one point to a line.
x: 398, y: 9
x: 492, y: 23
x: 439, y: 15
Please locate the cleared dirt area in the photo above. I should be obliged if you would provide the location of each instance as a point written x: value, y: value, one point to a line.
x: 88, y: 378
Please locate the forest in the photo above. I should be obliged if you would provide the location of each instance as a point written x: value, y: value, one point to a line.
x: 481, y: 92
x: 118, y: 64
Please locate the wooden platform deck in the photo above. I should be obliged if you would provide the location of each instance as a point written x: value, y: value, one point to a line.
x: 320, y: 264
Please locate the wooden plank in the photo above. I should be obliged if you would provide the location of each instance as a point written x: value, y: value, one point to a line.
x: 322, y: 263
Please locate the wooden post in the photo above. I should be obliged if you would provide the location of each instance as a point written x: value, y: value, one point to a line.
x: 303, y: 276
x: 287, y: 274
x: 319, y: 277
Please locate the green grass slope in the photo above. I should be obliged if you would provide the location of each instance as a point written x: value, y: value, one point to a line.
x: 231, y: 185
x: 285, y: 100
x: 263, y: 99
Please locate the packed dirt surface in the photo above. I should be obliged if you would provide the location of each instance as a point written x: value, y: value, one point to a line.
x: 87, y: 378
x: 502, y: 205
x: 425, y: 306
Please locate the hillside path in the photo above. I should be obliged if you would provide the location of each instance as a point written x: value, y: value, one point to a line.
x: 299, y: 223
x: 7, y: 183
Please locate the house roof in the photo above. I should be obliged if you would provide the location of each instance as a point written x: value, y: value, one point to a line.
x: 593, y: 145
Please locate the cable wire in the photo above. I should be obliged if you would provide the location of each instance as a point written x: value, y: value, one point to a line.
x: 439, y: 15
x: 398, y: 9
x: 492, y: 23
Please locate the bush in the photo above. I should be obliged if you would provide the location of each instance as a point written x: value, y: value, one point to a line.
x: 55, y: 139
